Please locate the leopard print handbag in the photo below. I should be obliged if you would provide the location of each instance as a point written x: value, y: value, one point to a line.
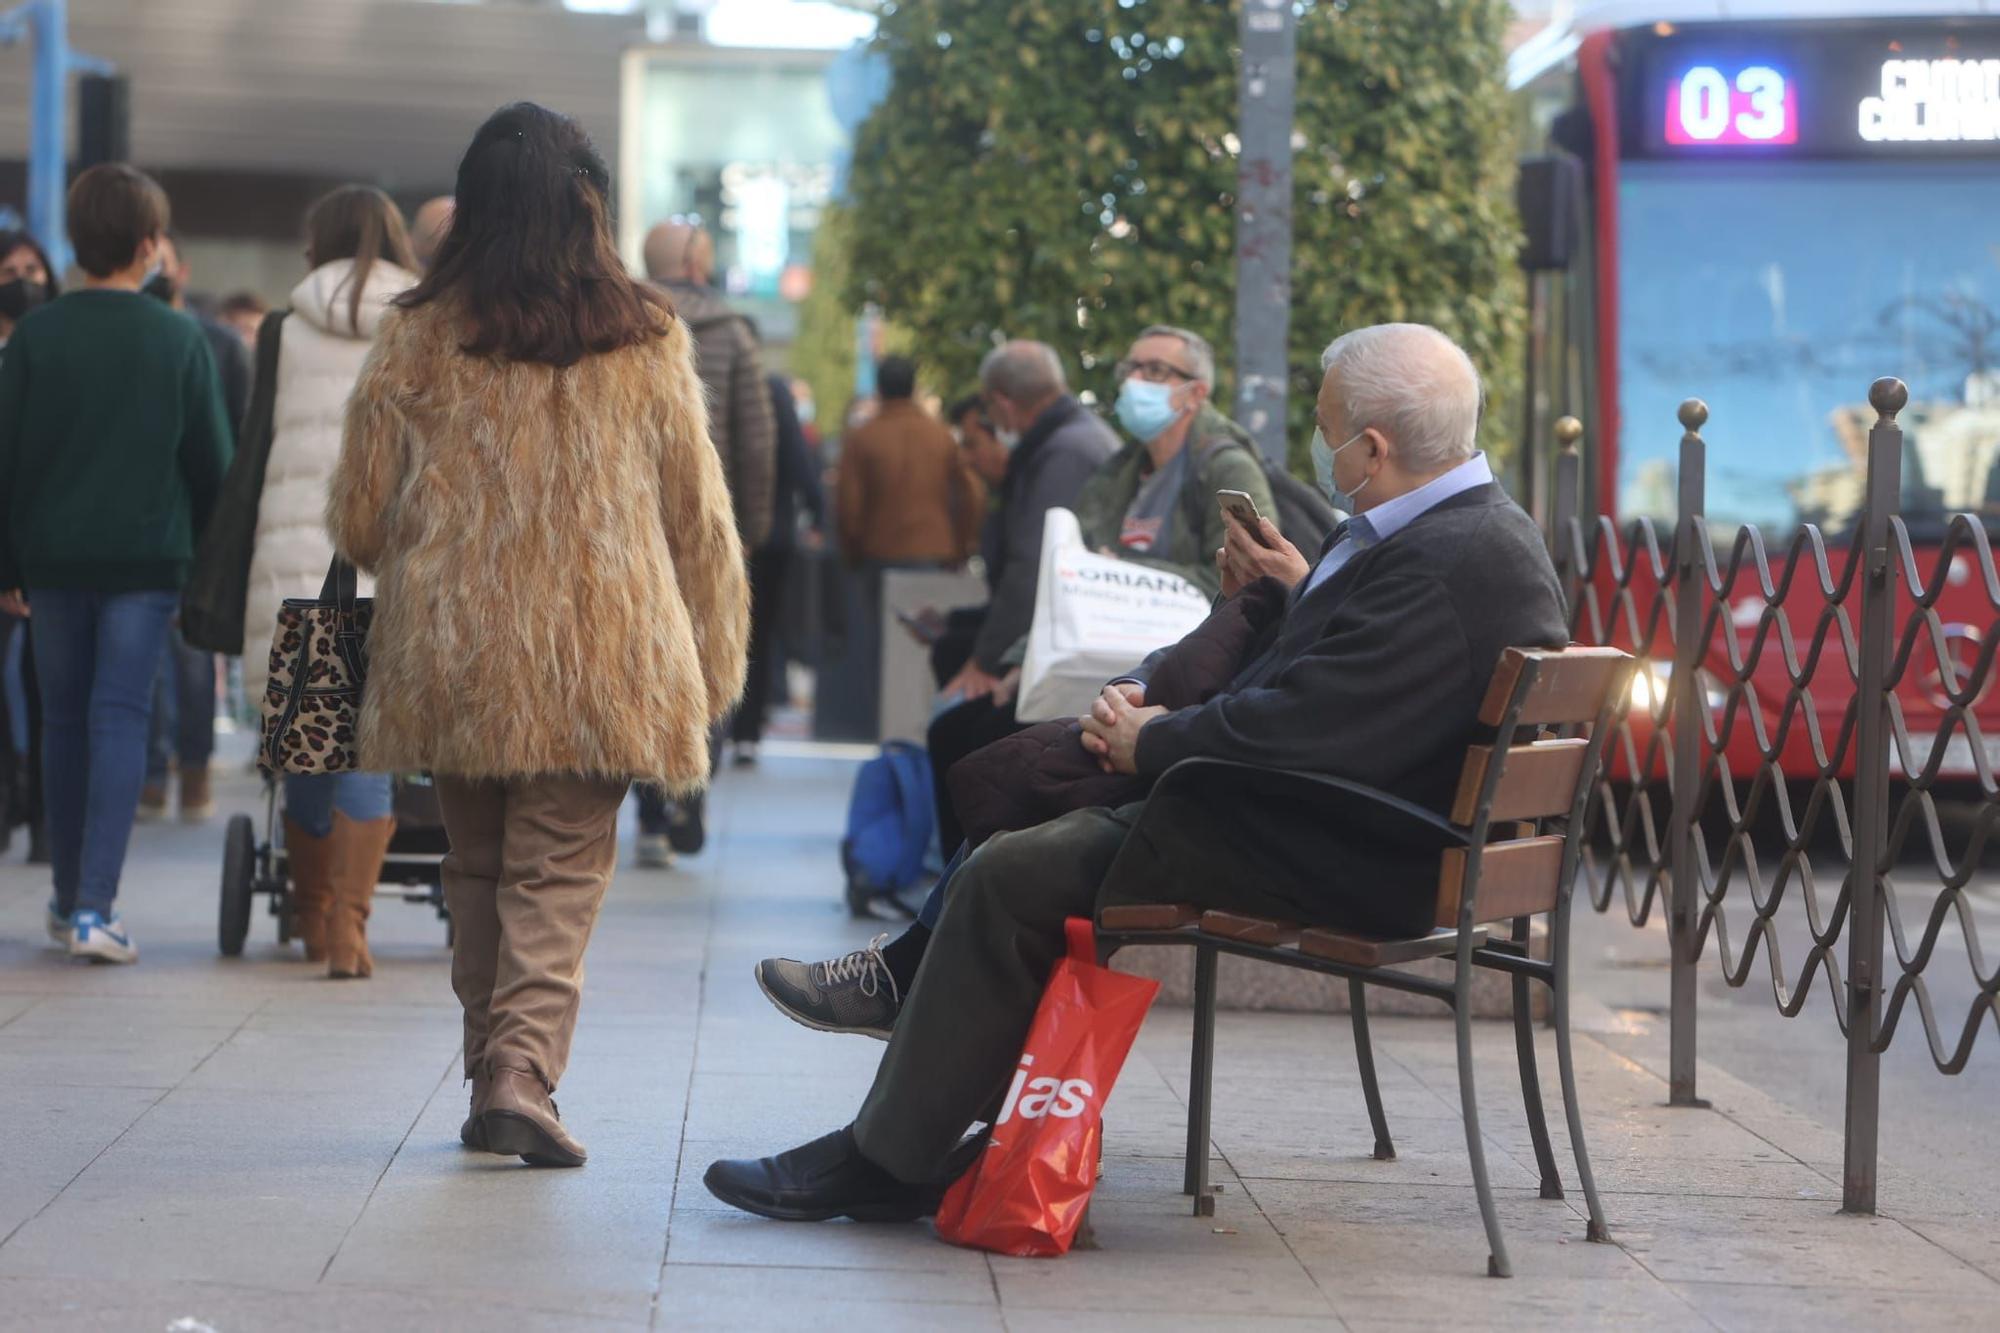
x: 319, y: 663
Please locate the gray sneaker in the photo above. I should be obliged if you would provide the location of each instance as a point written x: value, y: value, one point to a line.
x: 851, y: 994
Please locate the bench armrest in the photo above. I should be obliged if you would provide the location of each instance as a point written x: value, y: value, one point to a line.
x: 1320, y: 789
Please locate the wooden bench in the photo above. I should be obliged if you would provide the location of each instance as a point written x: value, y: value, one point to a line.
x: 1509, y: 852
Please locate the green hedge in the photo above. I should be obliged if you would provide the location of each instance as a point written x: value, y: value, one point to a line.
x: 1064, y: 171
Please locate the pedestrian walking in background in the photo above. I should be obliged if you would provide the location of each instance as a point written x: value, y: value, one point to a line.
x: 181, y: 734
x: 113, y: 444
x: 798, y: 493
x: 27, y: 282
x: 680, y: 259
x: 906, y: 494
x: 561, y: 604
x: 428, y: 231
x: 905, y: 498
x: 271, y: 533
x: 232, y: 359
x: 244, y: 313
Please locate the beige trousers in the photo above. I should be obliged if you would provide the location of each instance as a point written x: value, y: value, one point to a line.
x: 530, y: 860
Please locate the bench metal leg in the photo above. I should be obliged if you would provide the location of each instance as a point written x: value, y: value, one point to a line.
x: 1364, y: 1056
x: 1598, y: 1230
x: 1475, y: 1146
x: 1531, y: 1090
x: 1201, y: 1081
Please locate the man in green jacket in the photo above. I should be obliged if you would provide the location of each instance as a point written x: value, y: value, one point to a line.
x: 113, y: 446
x: 1154, y: 501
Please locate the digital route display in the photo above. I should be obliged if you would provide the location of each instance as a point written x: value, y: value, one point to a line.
x: 1917, y: 88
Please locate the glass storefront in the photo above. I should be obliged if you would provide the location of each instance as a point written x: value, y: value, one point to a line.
x: 747, y: 142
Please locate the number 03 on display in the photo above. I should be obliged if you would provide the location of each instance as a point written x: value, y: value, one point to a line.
x: 1709, y: 105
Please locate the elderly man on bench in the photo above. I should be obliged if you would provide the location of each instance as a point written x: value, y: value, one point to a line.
x: 1375, y: 673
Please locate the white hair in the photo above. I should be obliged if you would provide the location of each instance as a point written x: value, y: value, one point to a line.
x: 1414, y: 385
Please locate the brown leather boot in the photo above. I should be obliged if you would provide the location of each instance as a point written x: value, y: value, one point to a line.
x: 311, y: 862
x: 521, y: 1120
x: 358, y: 848
x: 471, y: 1133
x: 197, y: 796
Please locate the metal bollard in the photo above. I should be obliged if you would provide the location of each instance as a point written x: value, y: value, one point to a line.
x: 1690, y: 583
x: 1871, y: 798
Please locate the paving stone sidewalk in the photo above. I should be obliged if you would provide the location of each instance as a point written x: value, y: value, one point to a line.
x: 199, y: 1143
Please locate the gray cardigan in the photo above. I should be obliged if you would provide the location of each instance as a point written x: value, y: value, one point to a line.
x: 1056, y: 455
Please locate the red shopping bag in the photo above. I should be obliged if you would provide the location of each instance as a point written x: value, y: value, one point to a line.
x: 1027, y: 1192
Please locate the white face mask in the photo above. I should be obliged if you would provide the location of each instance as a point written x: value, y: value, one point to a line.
x: 1323, y: 457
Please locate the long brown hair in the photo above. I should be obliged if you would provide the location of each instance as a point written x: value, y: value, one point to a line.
x: 529, y: 258
x: 360, y: 223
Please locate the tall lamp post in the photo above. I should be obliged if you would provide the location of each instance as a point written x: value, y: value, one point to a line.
x: 1264, y: 221
x: 46, y: 23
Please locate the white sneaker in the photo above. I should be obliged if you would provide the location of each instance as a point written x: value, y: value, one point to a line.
x: 60, y: 927
x: 102, y: 939
x: 651, y: 851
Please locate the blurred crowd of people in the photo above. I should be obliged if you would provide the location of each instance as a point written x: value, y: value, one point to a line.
x: 902, y: 487
x: 489, y: 415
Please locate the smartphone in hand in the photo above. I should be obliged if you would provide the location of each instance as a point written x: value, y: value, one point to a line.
x: 1239, y: 506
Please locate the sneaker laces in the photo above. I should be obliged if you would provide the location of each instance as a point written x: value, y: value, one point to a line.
x: 867, y: 967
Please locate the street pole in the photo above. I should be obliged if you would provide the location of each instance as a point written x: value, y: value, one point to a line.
x: 1264, y: 222
x: 46, y: 24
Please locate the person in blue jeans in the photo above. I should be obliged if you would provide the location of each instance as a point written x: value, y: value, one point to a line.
x: 364, y: 801
x: 113, y: 445
x: 181, y: 739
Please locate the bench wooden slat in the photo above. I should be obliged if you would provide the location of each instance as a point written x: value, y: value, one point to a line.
x: 1365, y: 951
x: 1148, y: 916
x: 1570, y: 684
x: 1515, y: 879
x: 1539, y: 780
x: 1248, y: 929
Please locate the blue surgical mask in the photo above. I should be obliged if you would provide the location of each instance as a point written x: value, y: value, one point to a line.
x: 1323, y: 456
x: 1146, y: 408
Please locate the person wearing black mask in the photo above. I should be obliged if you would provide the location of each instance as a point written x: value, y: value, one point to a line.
x: 181, y: 736
x: 232, y: 359
x: 26, y: 280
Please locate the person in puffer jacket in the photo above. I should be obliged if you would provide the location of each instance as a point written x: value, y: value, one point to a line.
x: 337, y: 825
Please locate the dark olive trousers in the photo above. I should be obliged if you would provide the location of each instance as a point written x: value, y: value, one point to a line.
x: 967, y: 1015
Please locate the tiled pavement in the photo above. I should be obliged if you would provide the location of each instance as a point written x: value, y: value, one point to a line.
x: 199, y: 1143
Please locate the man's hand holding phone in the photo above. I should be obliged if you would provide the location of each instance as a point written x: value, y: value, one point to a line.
x: 1253, y: 548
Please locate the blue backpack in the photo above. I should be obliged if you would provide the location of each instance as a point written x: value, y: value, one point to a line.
x: 890, y: 821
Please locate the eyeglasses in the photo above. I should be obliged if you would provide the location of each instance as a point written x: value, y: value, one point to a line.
x: 1152, y: 371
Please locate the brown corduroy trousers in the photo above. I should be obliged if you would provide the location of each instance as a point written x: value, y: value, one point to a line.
x: 530, y: 861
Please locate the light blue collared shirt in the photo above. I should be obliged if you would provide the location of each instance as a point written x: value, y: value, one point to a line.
x: 1390, y: 517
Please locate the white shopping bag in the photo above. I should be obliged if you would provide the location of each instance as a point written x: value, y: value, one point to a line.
x: 1096, y: 617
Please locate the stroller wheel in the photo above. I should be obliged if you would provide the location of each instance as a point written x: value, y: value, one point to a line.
x: 239, y: 865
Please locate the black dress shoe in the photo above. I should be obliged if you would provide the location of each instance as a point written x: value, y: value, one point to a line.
x: 815, y: 1181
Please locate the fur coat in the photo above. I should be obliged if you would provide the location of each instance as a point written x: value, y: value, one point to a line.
x: 320, y: 351
x: 559, y: 582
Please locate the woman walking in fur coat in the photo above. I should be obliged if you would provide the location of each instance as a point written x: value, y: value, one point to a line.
x: 560, y: 603
x: 337, y: 825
